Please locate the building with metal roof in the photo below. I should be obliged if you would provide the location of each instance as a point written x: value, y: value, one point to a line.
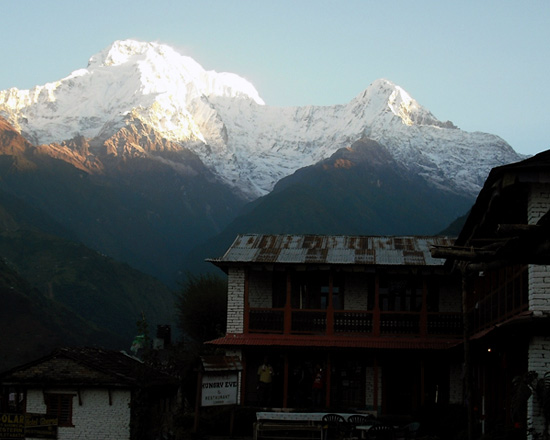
x: 379, y: 315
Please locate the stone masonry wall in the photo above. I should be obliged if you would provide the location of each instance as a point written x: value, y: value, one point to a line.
x: 539, y: 276
x: 369, y: 390
x: 539, y: 361
x: 450, y: 299
x: 456, y: 384
x: 355, y: 293
x: 539, y: 303
x: 260, y: 289
x: 235, y: 301
x: 95, y: 418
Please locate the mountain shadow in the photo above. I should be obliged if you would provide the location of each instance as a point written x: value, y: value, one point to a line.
x: 32, y: 325
x: 57, y: 291
x: 359, y: 190
x: 148, y: 211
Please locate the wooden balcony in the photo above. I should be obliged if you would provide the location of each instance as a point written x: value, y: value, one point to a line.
x: 498, y: 296
x: 356, y: 322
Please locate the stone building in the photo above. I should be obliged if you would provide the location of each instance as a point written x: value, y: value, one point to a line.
x: 378, y: 315
x: 92, y: 393
x: 503, y: 254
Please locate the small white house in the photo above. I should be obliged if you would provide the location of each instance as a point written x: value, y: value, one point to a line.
x: 93, y: 394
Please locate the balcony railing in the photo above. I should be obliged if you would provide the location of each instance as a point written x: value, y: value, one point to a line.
x: 400, y: 323
x: 353, y: 322
x: 262, y: 320
x: 308, y: 321
x: 445, y: 323
x: 266, y: 321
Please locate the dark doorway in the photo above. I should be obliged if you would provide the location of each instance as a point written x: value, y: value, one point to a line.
x: 401, y: 377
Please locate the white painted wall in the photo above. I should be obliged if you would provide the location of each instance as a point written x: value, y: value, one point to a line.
x: 95, y: 419
x: 539, y: 303
x: 235, y: 301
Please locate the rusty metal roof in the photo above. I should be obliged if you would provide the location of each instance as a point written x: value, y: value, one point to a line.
x: 333, y: 249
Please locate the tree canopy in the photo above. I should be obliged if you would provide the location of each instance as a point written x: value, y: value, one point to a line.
x: 202, y: 307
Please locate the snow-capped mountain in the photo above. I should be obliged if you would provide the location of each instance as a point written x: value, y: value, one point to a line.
x: 247, y: 144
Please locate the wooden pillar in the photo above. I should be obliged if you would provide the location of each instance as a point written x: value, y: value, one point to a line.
x: 330, y: 306
x: 246, y: 308
x: 468, y: 376
x: 243, y: 380
x: 376, y: 311
x: 375, y: 374
x: 287, y: 323
x: 422, y: 383
x: 285, y: 381
x: 327, y: 381
x: 424, y: 309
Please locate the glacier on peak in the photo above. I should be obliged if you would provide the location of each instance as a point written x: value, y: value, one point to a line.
x: 165, y: 70
x: 221, y: 117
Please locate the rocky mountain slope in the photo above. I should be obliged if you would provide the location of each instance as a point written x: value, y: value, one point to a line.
x: 144, y: 156
x: 359, y: 190
x: 146, y: 211
x: 246, y: 144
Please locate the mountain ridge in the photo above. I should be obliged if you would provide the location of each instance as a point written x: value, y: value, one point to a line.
x: 248, y: 145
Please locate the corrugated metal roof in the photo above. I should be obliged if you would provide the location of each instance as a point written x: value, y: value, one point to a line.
x: 263, y: 340
x: 333, y: 249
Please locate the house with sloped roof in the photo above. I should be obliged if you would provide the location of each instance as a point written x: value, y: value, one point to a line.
x: 379, y: 316
x: 503, y: 254
x: 91, y: 393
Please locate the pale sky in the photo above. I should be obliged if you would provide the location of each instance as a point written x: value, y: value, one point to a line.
x: 484, y: 64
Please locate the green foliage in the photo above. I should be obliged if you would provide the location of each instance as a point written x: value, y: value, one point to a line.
x: 202, y: 307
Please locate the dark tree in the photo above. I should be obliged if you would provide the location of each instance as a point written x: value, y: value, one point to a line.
x: 202, y: 307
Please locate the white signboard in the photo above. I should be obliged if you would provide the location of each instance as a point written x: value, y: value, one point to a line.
x: 219, y: 389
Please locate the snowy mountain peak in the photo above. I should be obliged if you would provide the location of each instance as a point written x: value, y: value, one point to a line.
x: 162, y: 69
x: 384, y: 96
x: 221, y: 117
x: 150, y: 78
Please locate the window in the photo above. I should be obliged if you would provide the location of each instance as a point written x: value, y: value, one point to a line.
x: 279, y: 289
x: 310, y: 290
x: 60, y: 406
x: 12, y: 400
x: 400, y: 293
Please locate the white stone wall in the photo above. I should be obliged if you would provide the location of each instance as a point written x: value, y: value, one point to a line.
x: 538, y: 202
x: 539, y: 302
x: 235, y: 301
x: 539, y: 361
x: 456, y: 384
x: 260, y: 288
x: 93, y: 420
x: 539, y: 289
x: 369, y: 389
x: 355, y: 292
x: 539, y: 276
x: 450, y: 299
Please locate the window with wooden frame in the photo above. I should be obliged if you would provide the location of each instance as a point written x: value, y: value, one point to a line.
x: 60, y: 406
